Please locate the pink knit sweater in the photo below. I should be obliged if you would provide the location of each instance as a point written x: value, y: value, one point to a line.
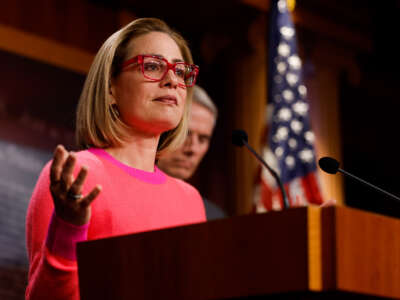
x: 131, y: 201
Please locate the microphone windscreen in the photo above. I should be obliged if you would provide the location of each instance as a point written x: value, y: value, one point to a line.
x: 239, y: 137
x: 329, y: 165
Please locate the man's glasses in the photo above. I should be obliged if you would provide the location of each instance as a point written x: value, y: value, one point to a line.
x: 155, y: 68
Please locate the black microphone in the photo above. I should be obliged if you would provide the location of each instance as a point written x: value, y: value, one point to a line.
x: 331, y: 166
x: 239, y: 138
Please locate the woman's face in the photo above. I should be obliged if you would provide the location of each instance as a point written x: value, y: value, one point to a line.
x: 147, y: 106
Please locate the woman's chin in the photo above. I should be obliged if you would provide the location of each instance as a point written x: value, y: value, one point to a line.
x: 166, y: 123
x: 158, y: 127
x: 168, y: 126
x: 155, y: 125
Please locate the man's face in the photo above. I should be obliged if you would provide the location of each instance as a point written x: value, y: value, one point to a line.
x: 184, y: 161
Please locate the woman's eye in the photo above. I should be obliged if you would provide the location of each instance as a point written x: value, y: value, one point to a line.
x: 180, y: 72
x: 204, y: 139
x: 151, y: 66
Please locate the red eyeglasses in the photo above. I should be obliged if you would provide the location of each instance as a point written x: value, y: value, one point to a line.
x: 155, y: 68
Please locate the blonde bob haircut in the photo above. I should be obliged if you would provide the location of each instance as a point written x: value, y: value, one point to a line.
x: 97, y: 122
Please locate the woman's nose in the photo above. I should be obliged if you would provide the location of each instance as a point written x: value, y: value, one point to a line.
x: 170, y: 78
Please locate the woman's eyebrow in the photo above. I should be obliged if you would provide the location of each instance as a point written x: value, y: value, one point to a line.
x: 161, y: 56
x: 154, y: 54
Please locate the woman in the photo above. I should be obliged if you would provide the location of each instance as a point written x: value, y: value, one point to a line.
x: 133, y: 108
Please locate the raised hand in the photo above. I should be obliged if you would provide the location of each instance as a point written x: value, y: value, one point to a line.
x: 69, y: 203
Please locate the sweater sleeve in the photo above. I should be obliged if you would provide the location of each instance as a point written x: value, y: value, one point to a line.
x: 51, y: 247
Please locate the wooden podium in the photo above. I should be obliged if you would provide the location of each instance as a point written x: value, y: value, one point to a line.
x: 300, y: 253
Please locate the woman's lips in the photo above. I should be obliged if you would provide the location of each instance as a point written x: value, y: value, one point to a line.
x: 167, y: 100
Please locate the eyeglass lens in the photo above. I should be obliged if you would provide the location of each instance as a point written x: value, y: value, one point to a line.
x: 155, y: 68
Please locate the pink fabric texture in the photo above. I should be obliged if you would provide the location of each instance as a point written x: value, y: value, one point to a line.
x: 62, y: 237
x: 131, y: 201
x: 157, y: 177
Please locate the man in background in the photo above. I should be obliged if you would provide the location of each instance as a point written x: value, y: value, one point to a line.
x: 183, y: 162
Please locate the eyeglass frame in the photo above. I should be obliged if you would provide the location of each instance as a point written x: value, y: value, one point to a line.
x: 139, y: 59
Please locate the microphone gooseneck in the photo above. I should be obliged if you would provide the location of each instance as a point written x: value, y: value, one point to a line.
x: 331, y: 166
x: 239, y: 138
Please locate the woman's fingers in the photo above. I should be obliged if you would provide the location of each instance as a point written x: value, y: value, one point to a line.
x: 67, y: 172
x: 85, y: 201
x: 76, y: 187
x: 60, y: 154
x: 69, y: 203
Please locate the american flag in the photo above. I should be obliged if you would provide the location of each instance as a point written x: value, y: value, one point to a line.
x: 289, y: 147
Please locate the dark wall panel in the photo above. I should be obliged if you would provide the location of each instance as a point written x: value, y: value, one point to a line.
x: 37, y: 105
